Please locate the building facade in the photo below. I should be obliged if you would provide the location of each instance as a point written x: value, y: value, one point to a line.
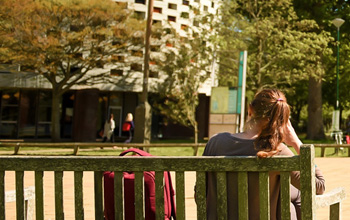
x: 25, y: 105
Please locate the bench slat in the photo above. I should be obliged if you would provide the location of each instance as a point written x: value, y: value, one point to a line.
x: 285, y: 195
x: 221, y: 195
x: 90, y: 163
x: 59, y: 213
x: 180, y: 194
x: 98, y: 175
x: 243, y: 195
x: 139, y: 209
x: 39, y: 194
x: 2, y: 195
x: 201, y: 195
x: 118, y: 195
x: 334, y: 211
x: 20, y: 194
x: 78, y: 195
x: 264, y: 195
x: 160, y: 195
x: 307, y: 182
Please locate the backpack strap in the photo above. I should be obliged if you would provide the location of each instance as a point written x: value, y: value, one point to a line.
x: 135, y: 150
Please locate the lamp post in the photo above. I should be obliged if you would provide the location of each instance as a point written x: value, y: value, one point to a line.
x: 337, y: 22
x: 336, y: 114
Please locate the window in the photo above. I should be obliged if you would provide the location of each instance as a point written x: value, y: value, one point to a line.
x: 116, y: 72
x: 197, y: 1
x: 185, y: 15
x: 116, y: 42
x: 99, y: 64
x: 118, y: 58
x: 136, y: 53
x: 157, y: 10
x: 185, y: 2
x: 140, y: 1
x: 136, y: 67
x: 44, y: 114
x: 196, y: 23
x: 74, y: 70
x: 205, y: 8
x: 9, y: 113
x: 155, y: 48
x: 172, y: 6
x: 76, y: 28
x: 169, y: 44
x: 140, y: 15
x: 184, y: 27
x: 156, y: 22
x: 27, y: 68
x: 153, y: 74
x: 172, y: 18
x: 212, y: 4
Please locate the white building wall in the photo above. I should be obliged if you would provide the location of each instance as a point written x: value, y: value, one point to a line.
x: 131, y: 81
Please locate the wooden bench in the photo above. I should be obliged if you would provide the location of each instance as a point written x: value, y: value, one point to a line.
x: 76, y: 145
x: 335, y: 146
x: 10, y: 196
x: 180, y: 165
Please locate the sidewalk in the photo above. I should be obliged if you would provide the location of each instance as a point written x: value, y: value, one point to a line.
x: 335, y: 171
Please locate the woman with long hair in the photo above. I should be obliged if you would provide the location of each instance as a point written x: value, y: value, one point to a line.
x: 267, y: 133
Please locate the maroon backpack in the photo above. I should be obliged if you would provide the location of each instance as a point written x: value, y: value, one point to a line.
x: 129, y: 199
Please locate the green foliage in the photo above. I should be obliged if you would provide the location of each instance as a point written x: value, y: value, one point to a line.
x: 323, y: 12
x: 63, y: 40
x: 281, y: 48
x: 185, y: 62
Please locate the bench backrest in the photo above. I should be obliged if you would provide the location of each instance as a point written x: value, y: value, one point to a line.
x: 201, y: 165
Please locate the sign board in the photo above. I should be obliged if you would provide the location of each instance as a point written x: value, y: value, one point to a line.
x: 223, y: 100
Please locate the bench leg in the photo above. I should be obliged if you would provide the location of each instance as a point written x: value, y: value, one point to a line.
x: 195, y: 151
x: 76, y: 150
x: 335, y: 212
x: 16, y: 149
x: 323, y: 149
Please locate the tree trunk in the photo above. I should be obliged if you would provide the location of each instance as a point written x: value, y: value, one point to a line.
x: 315, y: 129
x: 55, y: 117
x: 195, y: 132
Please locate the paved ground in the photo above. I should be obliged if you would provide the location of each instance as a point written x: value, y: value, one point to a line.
x: 335, y: 170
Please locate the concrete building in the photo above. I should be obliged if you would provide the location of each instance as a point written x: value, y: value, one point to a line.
x: 25, y: 107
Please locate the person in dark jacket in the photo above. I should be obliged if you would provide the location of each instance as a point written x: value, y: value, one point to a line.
x: 267, y: 127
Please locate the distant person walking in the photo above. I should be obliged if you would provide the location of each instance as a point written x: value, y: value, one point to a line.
x: 108, y: 131
x: 128, y: 127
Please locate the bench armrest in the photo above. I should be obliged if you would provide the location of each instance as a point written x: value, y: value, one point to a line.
x: 334, y: 196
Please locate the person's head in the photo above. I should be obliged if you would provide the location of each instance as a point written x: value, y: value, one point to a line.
x: 269, y: 111
x: 129, y: 117
x: 111, y: 116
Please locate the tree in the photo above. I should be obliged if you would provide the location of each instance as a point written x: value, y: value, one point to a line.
x: 66, y: 41
x: 323, y: 12
x: 185, y: 63
x: 282, y: 49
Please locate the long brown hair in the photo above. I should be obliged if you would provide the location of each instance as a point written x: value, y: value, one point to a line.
x: 271, y: 109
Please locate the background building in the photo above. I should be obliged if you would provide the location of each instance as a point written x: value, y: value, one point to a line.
x: 25, y: 107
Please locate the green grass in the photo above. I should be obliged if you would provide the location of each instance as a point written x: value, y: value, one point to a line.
x: 158, y: 151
